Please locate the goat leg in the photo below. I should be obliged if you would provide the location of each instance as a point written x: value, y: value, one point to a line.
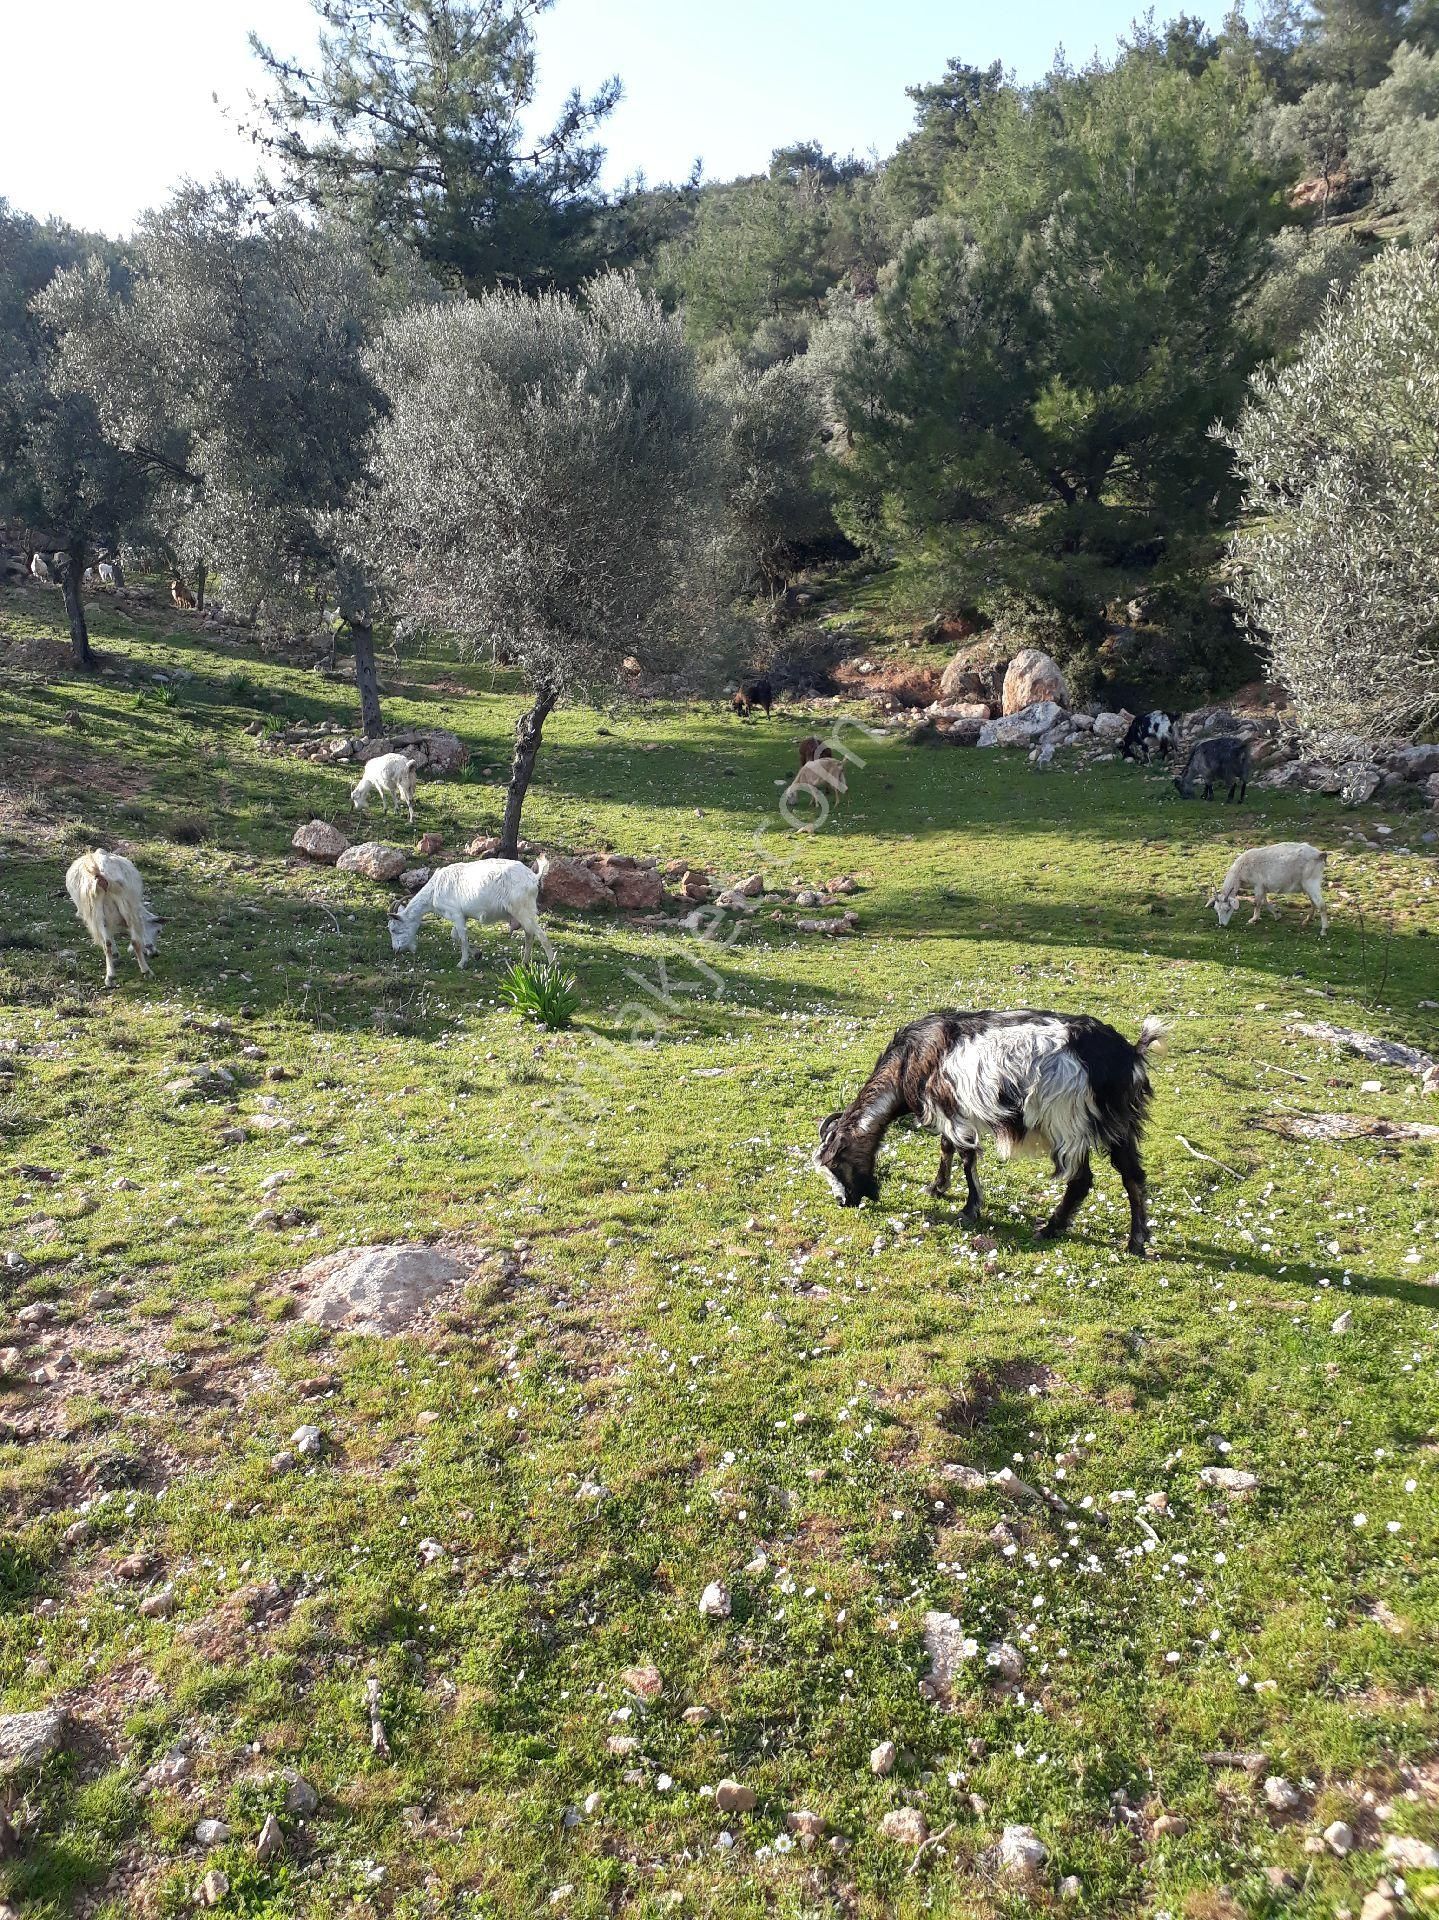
x: 1126, y: 1162
x: 940, y: 1183
x: 1071, y: 1200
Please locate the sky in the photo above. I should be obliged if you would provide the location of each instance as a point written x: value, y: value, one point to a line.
x: 721, y: 81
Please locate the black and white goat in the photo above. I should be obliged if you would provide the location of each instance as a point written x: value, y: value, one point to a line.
x: 1150, y: 734
x: 1056, y: 1083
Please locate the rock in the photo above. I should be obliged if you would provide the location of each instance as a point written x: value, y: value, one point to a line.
x: 806, y: 1827
x: 1070, y: 1887
x: 1360, y: 785
x: 1020, y: 729
x: 1228, y: 1479
x: 159, y: 1606
x: 1379, y: 1906
x: 437, y: 751
x: 1007, y: 1661
x: 1413, y: 1856
x: 963, y: 682
x: 430, y: 844
x: 308, y: 1442
x: 968, y: 1479
x: 731, y: 1797
x: 413, y: 878
x: 169, y: 1770
x: 694, y: 886
x: 28, y: 1738
x: 905, y: 1824
x: 1032, y: 676
x: 1282, y: 1796
x: 883, y: 1757
x: 638, y: 889
x: 697, y: 1716
x: 1021, y: 1852
x: 39, y: 1313
x: 320, y: 841
x: 1342, y: 1322
x: 1281, y: 1880
x: 211, y: 1833
x: 569, y: 883
x: 135, y: 1566
x: 213, y: 1888
x: 645, y: 1682
x: 1339, y: 1838
x: 1169, y: 1826
x: 622, y: 1744
x: 270, y: 1840
x: 373, y: 860
x: 300, y: 1796
x: 1112, y: 727
x: 751, y: 887
x: 377, y: 1290
x: 715, y: 1601
x: 948, y: 1647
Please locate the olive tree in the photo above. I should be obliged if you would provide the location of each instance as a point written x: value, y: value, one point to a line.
x: 545, y: 483
x: 1337, y: 564
x: 233, y: 364
x: 61, y: 475
x: 773, y: 421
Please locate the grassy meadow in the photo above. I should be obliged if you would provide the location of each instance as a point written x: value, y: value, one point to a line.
x: 681, y: 1361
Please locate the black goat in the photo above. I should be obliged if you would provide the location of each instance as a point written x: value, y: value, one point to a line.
x: 1058, y: 1083
x: 754, y: 693
x: 1221, y: 761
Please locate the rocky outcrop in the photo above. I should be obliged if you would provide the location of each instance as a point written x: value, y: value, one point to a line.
x: 1023, y: 728
x: 434, y: 750
x: 570, y: 883
x: 377, y: 1290
x: 1032, y: 678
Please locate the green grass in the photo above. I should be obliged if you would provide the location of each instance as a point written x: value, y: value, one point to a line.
x: 669, y: 1289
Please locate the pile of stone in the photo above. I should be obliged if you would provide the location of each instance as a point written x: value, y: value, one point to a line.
x: 433, y: 750
x: 601, y: 882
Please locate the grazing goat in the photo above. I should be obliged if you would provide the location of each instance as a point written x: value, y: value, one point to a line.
x: 109, y: 571
x: 109, y: 897
x: 1220, y: 761
x: 40, y: 568
x: 811, y: 780
x: 1290, y: 866
x: 182, y: 595
x: 754, y: 693
x: 389, y: 776
x: 1150, y: 734
x: 478, y: 890
x: 813, y: 748
x: 1061, y: 1084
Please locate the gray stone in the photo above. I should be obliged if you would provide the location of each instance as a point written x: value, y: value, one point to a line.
x: 1020, y: 729
x: 1031, y: 677
x: 320, y: 841
x: 28, y: 1738
x: 1021, y: 1852
x: 377, y: 1290
x: 948, y: 1647
x: 373, y: 860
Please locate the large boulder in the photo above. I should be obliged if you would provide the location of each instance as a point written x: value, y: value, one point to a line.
x: 320, y: 841
x: 437, y: 751
x: 638, y: 889
x: 569, y: 883
x: 377, y: 1290
x: 1415, y: 763
x: 1021, y: 729
x: 1112, y: 727
x: 965, y: 679
x: 374, y: 860
x: 1031, y: 677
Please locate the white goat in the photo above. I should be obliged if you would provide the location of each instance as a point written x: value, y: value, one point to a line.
x: 1291, y: 866
x: 389, y: 776
x: 109, y: 897
x: 478, y: 890
x: 813, y: 776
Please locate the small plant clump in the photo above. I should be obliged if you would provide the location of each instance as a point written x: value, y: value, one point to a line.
x: 542, y: 992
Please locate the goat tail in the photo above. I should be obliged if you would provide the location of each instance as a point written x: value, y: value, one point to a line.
x: 1152, y: 1036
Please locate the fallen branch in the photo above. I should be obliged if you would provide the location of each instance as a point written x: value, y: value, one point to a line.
x: 1269, y: 1067
x: 1021, y: 1489
x: 378, y: 1742
x: 1190, y: 1148
x: 1227, y: 1757
x: 924, y: 1845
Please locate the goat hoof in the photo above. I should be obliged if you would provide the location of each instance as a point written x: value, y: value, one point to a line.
x: 938, y: 1188
x: 969, y: 1217
x: 1140, y: 1250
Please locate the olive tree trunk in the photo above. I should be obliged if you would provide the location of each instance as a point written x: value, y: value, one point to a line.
x: 70, y: 577
x: 202, y: 578
x: 527, y: 745
x: 367, y: 678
